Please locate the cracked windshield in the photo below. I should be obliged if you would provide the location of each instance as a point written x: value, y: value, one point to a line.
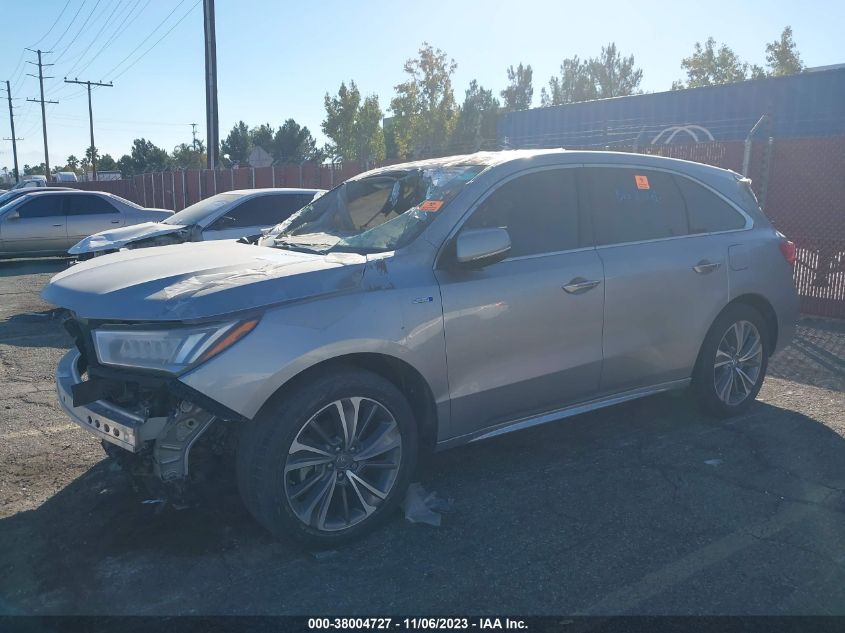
x: 374, y: 214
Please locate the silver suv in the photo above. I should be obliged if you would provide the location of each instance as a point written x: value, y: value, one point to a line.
x: 423, y: 306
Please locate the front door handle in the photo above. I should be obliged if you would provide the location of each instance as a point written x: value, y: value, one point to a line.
x: 58, y: 225
x: 579, y: 285
x: 704, y: 266
x: 115, y: 221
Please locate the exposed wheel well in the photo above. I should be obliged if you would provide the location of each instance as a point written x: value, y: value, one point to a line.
x: 762, y: 305
x: 403, y: 376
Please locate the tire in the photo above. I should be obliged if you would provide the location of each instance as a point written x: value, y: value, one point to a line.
x: 729, y: 388
x: 362, y: 479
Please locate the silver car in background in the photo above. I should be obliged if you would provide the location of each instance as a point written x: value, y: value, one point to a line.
x: 230, y: 215
x: 48, y: 221
x: 420, y: 306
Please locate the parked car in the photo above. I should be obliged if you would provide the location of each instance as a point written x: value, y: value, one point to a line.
x: 48, y: 221
x: 230, y: 215
x: 66, y: 176
x: 13, y: 194
x: 31, y: 182
x: 420, y: 306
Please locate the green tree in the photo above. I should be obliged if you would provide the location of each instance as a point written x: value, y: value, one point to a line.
x: 710, y: 65
x: 782, y: 55
x: 476, y: 119
x: 424, y: 106
x: 574, y: 84
x: 34, y: 170
x: 520, y: 91
x: 613, y: 74
x: 293, y: 143
x: 354, y: 125
x: 341, y: 120
x: 185, y: 156
x: 262, y: 136
x: 144, y: 157
x: 72, y: 164
x: 106, y: 163
x: 238, y: 144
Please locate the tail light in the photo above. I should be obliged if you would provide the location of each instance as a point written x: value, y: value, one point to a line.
x: 788, y: 251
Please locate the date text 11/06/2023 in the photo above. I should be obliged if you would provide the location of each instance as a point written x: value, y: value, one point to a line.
x: 431, y: 623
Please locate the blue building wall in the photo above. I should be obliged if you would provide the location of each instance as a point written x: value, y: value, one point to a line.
x: 804, y: 105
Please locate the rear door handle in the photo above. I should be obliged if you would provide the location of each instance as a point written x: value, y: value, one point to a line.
x: 58, y: 225
x: 579, y: 285
x: 704, y: 267
x: 115, y: 221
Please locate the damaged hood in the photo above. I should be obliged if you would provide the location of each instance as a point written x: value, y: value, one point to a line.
x: 118, y: 238
x: 203, y: 280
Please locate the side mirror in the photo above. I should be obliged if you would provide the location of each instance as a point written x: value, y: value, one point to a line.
x: 13, y: 215
x: 476, y: 248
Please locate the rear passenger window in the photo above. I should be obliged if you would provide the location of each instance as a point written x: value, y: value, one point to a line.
x: 539, y: 211
x: 632, y: 205
x: 267, y: 210
x: 87, y: 205
x: 706, y: 211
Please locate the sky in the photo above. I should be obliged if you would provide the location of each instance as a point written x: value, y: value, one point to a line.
x: 277, y: 59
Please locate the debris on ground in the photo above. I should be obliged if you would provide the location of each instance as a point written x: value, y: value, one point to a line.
x: 422, y: 507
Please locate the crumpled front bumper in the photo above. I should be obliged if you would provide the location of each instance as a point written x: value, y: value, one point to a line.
x: 103, y: 419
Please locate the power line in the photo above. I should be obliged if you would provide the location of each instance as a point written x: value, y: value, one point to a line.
x: 43, y: 111
x: 85, y: 24
x: 94, y: 39
x: 117, y: 31
x: 50, y: 30
x: 14, y: 139
x: 75, y: 15
x: 158, y: 41
x: 90, y: 118
x: 144, y: 41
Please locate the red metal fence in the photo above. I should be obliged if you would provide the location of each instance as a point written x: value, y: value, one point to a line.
x: 800, y: 183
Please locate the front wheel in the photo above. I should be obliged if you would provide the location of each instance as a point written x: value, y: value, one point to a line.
x: 328, y: 461
x: 732, y: 362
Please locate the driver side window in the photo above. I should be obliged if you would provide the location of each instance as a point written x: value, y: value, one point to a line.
x: 539, y: 211
x: 266, y: 210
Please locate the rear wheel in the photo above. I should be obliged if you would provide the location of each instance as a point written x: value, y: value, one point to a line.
x: 733, y: 361
x: 328, y: 462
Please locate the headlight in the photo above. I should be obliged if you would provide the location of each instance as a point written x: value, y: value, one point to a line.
x: 170, y: 350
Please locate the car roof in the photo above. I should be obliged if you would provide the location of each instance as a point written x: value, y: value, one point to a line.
x: 500, y: 157
x: 280, y: 190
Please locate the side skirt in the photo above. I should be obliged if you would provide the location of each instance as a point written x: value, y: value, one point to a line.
x: 559, y: 414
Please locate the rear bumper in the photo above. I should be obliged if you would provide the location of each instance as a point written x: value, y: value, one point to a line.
x: 103, y: 419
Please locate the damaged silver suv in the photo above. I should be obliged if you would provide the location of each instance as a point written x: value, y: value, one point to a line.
x: 417, y: 307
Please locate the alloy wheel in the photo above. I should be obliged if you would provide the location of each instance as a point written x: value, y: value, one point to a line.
x: 738, y: 361
x: 343, y: 463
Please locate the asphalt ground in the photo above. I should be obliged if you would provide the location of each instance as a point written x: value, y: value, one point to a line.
x: 643, y: 508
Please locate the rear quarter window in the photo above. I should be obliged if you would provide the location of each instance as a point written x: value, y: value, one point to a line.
x: 634, y: 205
x: 707, y: 212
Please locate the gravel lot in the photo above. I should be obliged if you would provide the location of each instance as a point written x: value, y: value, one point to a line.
x: 644, y: 508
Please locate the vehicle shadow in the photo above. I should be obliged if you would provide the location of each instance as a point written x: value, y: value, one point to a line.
x: 16, y: 267
x: 646, y: 507
x: 39, y: 328
x: 816, y: 355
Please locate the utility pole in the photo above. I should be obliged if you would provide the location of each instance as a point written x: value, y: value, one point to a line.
x: 14, y: 139
x: 194, y: 133
x: 41, y: 79
x: 212, y: 127
x: 91, y: 118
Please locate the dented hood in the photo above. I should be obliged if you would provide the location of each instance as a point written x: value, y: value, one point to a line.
x: 198, y: 281
x: 118, y: 238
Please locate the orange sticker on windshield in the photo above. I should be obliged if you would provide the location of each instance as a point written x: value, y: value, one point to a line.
x: 642, y: 182
x: 431, y: 205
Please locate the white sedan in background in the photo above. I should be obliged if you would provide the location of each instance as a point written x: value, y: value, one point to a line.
x: 45, y: 221
x: 229, y: 215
